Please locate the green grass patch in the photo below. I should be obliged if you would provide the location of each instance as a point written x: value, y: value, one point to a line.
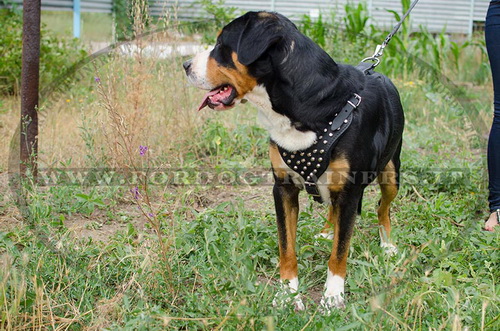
x: 94, y: 26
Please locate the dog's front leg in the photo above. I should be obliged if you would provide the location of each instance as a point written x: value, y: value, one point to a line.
x: 286, y: 202
x: 287, y: 210
x: 342, y: 215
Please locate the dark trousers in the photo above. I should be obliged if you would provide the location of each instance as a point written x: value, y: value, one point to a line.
x: 492, y: 35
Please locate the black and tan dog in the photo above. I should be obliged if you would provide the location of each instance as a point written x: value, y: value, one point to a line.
x: 299, y: 89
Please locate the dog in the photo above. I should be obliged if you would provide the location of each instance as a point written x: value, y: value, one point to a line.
x: 299, y: 90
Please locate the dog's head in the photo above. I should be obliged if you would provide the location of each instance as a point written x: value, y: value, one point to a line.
x: 229, y: 71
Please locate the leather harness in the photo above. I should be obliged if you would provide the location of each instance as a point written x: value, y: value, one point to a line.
x: 312, y: 162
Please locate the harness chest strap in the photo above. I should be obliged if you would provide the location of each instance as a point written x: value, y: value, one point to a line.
x: 312, y: 162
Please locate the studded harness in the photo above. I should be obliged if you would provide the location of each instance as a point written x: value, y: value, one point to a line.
x: 312, y: 162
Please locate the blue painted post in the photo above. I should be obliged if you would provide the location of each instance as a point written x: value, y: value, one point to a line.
x: 76, y: 18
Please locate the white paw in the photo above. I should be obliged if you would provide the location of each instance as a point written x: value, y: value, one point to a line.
x: 389, y: 249
x: 287, y: 293
x: 328, y: 304
x: 324, y: 235
x: 284, y: 298
x: 334, y: 294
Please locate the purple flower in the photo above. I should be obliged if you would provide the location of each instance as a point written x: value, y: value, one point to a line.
x: 151, y: 215
x: 143, y: 150
x: 135, y: 193
x: 97, y: 79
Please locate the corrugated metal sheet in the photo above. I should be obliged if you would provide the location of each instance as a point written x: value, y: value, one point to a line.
x: 453, y: 16
x: 480, y: 9
x: 191, y: 9
x: 99, y: 6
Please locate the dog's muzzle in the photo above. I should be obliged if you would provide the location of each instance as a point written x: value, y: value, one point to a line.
x: 187, y: 66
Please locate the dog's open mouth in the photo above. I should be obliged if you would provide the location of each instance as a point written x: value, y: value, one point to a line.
x: 220, y: 98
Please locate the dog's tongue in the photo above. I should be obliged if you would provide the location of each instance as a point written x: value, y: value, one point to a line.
x: 205, y: 98
x: 219, y: 98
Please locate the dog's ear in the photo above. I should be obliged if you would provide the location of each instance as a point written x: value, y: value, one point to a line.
x: 259, y: 34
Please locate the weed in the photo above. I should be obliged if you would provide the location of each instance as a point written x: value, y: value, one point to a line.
x: 55, y: 53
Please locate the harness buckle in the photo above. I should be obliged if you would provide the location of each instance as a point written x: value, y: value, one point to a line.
x: 358, y: 97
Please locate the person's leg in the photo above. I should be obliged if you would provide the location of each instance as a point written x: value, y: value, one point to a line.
x: 492, y: 36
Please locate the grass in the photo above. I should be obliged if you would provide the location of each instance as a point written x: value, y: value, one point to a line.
x: 205, y: 256
x: 94, y: 26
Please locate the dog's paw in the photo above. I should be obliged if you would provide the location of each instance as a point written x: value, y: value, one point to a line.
x: 324, y: 235
x: 283, y: 299
x: 287, y: 294
x: 389, y: 249
x: 329, y: 303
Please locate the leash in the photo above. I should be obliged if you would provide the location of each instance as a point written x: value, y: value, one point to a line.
x: 379, y: 50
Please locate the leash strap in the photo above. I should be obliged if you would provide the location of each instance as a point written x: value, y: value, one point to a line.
x: 379, y: 50
x: 312, y: 162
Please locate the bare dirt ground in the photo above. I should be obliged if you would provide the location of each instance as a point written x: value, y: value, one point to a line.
x: 100, y: 227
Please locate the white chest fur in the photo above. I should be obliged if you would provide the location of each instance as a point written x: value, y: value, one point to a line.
x: 279, y: 126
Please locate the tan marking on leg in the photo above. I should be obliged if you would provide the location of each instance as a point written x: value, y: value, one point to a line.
x: 277, y: 162
x: 288, y: 258
x: 337, y: 263
x: 388, y: 185
x: 338, y: 174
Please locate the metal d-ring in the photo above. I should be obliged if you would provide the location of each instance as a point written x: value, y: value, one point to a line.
x: 375, y: 60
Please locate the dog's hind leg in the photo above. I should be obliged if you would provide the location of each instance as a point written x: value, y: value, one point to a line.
x: 342, y: 216
x: 388, y: 181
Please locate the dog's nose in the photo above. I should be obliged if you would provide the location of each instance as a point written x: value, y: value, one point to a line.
x: 187, y: 66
